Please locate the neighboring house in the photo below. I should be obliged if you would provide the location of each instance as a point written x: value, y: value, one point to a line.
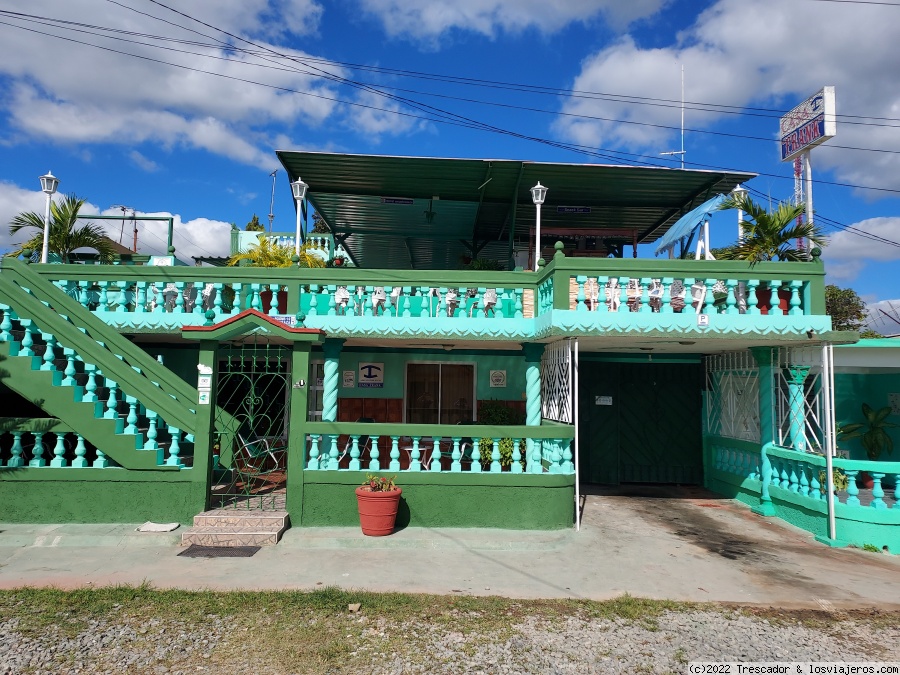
x: 171, y: 389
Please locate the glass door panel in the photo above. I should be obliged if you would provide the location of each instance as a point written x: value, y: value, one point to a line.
x: 423, y: 393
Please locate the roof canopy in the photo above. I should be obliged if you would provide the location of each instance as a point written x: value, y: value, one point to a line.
x: 403, y: 212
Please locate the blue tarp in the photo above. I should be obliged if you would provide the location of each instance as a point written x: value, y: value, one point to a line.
x: 688, y: 223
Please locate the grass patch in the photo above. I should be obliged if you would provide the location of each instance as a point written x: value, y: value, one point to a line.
x: 314, y: 631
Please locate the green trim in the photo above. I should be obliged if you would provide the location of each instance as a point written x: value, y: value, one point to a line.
x: 166, y: 474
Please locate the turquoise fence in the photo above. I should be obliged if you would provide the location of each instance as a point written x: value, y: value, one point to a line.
x: 344, y: 446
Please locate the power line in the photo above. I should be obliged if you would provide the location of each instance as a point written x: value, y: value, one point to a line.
x: 618, y: 98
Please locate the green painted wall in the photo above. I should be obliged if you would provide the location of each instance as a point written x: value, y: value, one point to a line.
x: 446, y: 500
x: 395, y: 370
x: 99, y: 501
x: 854, y: 389
x: 180, y: 359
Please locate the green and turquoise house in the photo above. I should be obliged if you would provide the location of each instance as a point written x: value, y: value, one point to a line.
x: 492, y: 390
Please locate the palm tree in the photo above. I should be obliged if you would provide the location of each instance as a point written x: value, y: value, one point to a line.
x: 268, y: 253
x: 65, y: 236
x: 769, y: 235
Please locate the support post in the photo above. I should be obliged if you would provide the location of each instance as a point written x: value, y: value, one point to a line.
x: 533, y: 353
x: 796, y: 376
x: 204, y: 433
x: 763, y: 356
x: 331, y: 376
x: 296, y: 456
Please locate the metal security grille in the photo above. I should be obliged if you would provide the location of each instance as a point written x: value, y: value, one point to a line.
x: 253, y: 389
x: 732, y: 410
x: 556, y: 382
x: 800, y: 410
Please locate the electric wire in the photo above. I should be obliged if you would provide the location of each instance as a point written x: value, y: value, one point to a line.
x: 468, y: 123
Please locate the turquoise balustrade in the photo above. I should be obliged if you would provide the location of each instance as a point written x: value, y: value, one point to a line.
x: 804, y: 473
x: 69, y: 369
x: 345, y: 446
x: 670, y: 294
x: 48, y: 443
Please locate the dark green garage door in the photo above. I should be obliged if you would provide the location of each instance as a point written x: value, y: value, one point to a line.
x: 640, y: 422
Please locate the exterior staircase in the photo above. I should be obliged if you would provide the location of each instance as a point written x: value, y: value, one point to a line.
x: 234, y: 527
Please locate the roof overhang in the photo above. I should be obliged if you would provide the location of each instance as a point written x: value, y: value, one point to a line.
x: 424, y: 212
x: 248, y: 322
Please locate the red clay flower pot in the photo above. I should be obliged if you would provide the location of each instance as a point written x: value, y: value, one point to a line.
x: 377, y: 511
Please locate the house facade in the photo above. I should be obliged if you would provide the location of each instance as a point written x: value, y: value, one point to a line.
x: 153, y: 393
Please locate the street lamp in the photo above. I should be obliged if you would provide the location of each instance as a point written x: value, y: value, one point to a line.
x: 538, y: 194
x: 299, y: 189
x: 48, y: 187
x: 739, y: 193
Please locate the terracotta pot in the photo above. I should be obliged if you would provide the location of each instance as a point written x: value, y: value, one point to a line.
x: 764, y: 300
x: 265, y: 301
x: 864, y: 481
x: 377, y: 511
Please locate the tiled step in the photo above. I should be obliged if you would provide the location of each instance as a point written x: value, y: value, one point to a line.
x: 228, y: 527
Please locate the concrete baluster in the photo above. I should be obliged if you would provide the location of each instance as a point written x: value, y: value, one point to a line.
x: 602, y: 300
x: 80, y: 461
x: 731, y: 299
x: 455, y: 455
x: 516, y: 457
x: 174, y: 448
x: 16, y: 451
x: 112, y: 401
x: 435, y: 464
x: 59, y: 452
x: 100, y: 462
x: 152, y: 421
x: 374, y: 461
x: 25, y: 348
x: 394, y: 464
x: 313, y: 462
x: 37, y: 452
x: 49, y: 356
x: 645, y: 295
x: 795, y: 287
x: 852, y: 488
x: 313, y: 300
x: 580, y: 305
x: 69, y: 372
x: 877, y: 491
x: 414, y: 456
x: 131, y: 418
x: 476, y: 456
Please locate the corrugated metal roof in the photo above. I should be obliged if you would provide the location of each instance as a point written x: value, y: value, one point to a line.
x: 384, y: 202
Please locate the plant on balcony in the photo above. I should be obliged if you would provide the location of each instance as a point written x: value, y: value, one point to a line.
x: 65, y: 235
x: 378, y: 500
x: 269, y: 253
x: 770, y: 235
x: 871, y: 432
x: 496, y: 413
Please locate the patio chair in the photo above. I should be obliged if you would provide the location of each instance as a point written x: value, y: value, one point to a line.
x: 698, y: 296
x: 677, y: 295
x: 451, y: 300
x: 257, y: 465
x: 612, y: 294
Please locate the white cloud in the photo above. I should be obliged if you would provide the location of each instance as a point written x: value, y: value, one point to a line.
x: 196, y: 236
x: 739, y: 53
x: 380, y: 118
x: 143, y: 162
x: 846, y: 245
x: 429, y: 20
x: 73, y: 93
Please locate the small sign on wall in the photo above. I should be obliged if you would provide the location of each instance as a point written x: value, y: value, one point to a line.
x: 498, y: 378
x: 371, y: 375
x: 349, y: 379
x: 603, y: 400
x: 894, y: 401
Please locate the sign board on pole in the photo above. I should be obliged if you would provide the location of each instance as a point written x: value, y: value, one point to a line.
x: 810, y: 123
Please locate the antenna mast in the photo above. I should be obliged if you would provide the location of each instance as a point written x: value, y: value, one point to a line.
x: 272, y: 201
x: 680, y: 152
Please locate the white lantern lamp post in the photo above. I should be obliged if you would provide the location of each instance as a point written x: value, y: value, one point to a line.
x: 299, y: 188
x: 538, y: 195
x: 49, y: 184
x: 739, y: 193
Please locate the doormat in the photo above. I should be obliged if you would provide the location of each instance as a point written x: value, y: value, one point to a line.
x: 197, y: 551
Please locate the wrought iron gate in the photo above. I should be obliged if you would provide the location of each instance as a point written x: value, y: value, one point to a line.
x: 253, y: 388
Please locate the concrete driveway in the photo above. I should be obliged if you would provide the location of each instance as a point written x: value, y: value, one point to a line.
x: 683, y: 544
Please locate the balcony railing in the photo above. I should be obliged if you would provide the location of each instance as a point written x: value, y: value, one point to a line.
x: 568, y: 293
x: 353, y: 446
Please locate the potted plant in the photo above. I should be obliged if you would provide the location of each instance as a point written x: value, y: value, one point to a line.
x: 873, y: 436
x: 378, y: 500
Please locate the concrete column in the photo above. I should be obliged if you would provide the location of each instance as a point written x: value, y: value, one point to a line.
x: 533, y: 353
x: 296, y: 459
x: 332, y: 348
x: 796, y: 376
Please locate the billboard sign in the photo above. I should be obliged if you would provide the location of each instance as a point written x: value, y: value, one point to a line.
x: 810, y: 123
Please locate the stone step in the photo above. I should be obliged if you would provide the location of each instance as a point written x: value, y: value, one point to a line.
x: 231, y: 536
x: 252, y: 520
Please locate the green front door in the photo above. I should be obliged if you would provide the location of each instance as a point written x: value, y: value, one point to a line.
x: 640, y: 422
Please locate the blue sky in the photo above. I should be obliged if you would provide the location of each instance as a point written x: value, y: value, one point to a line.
x: 159, y: 138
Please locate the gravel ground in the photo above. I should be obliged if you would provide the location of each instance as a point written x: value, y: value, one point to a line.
x: 662, y: 644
